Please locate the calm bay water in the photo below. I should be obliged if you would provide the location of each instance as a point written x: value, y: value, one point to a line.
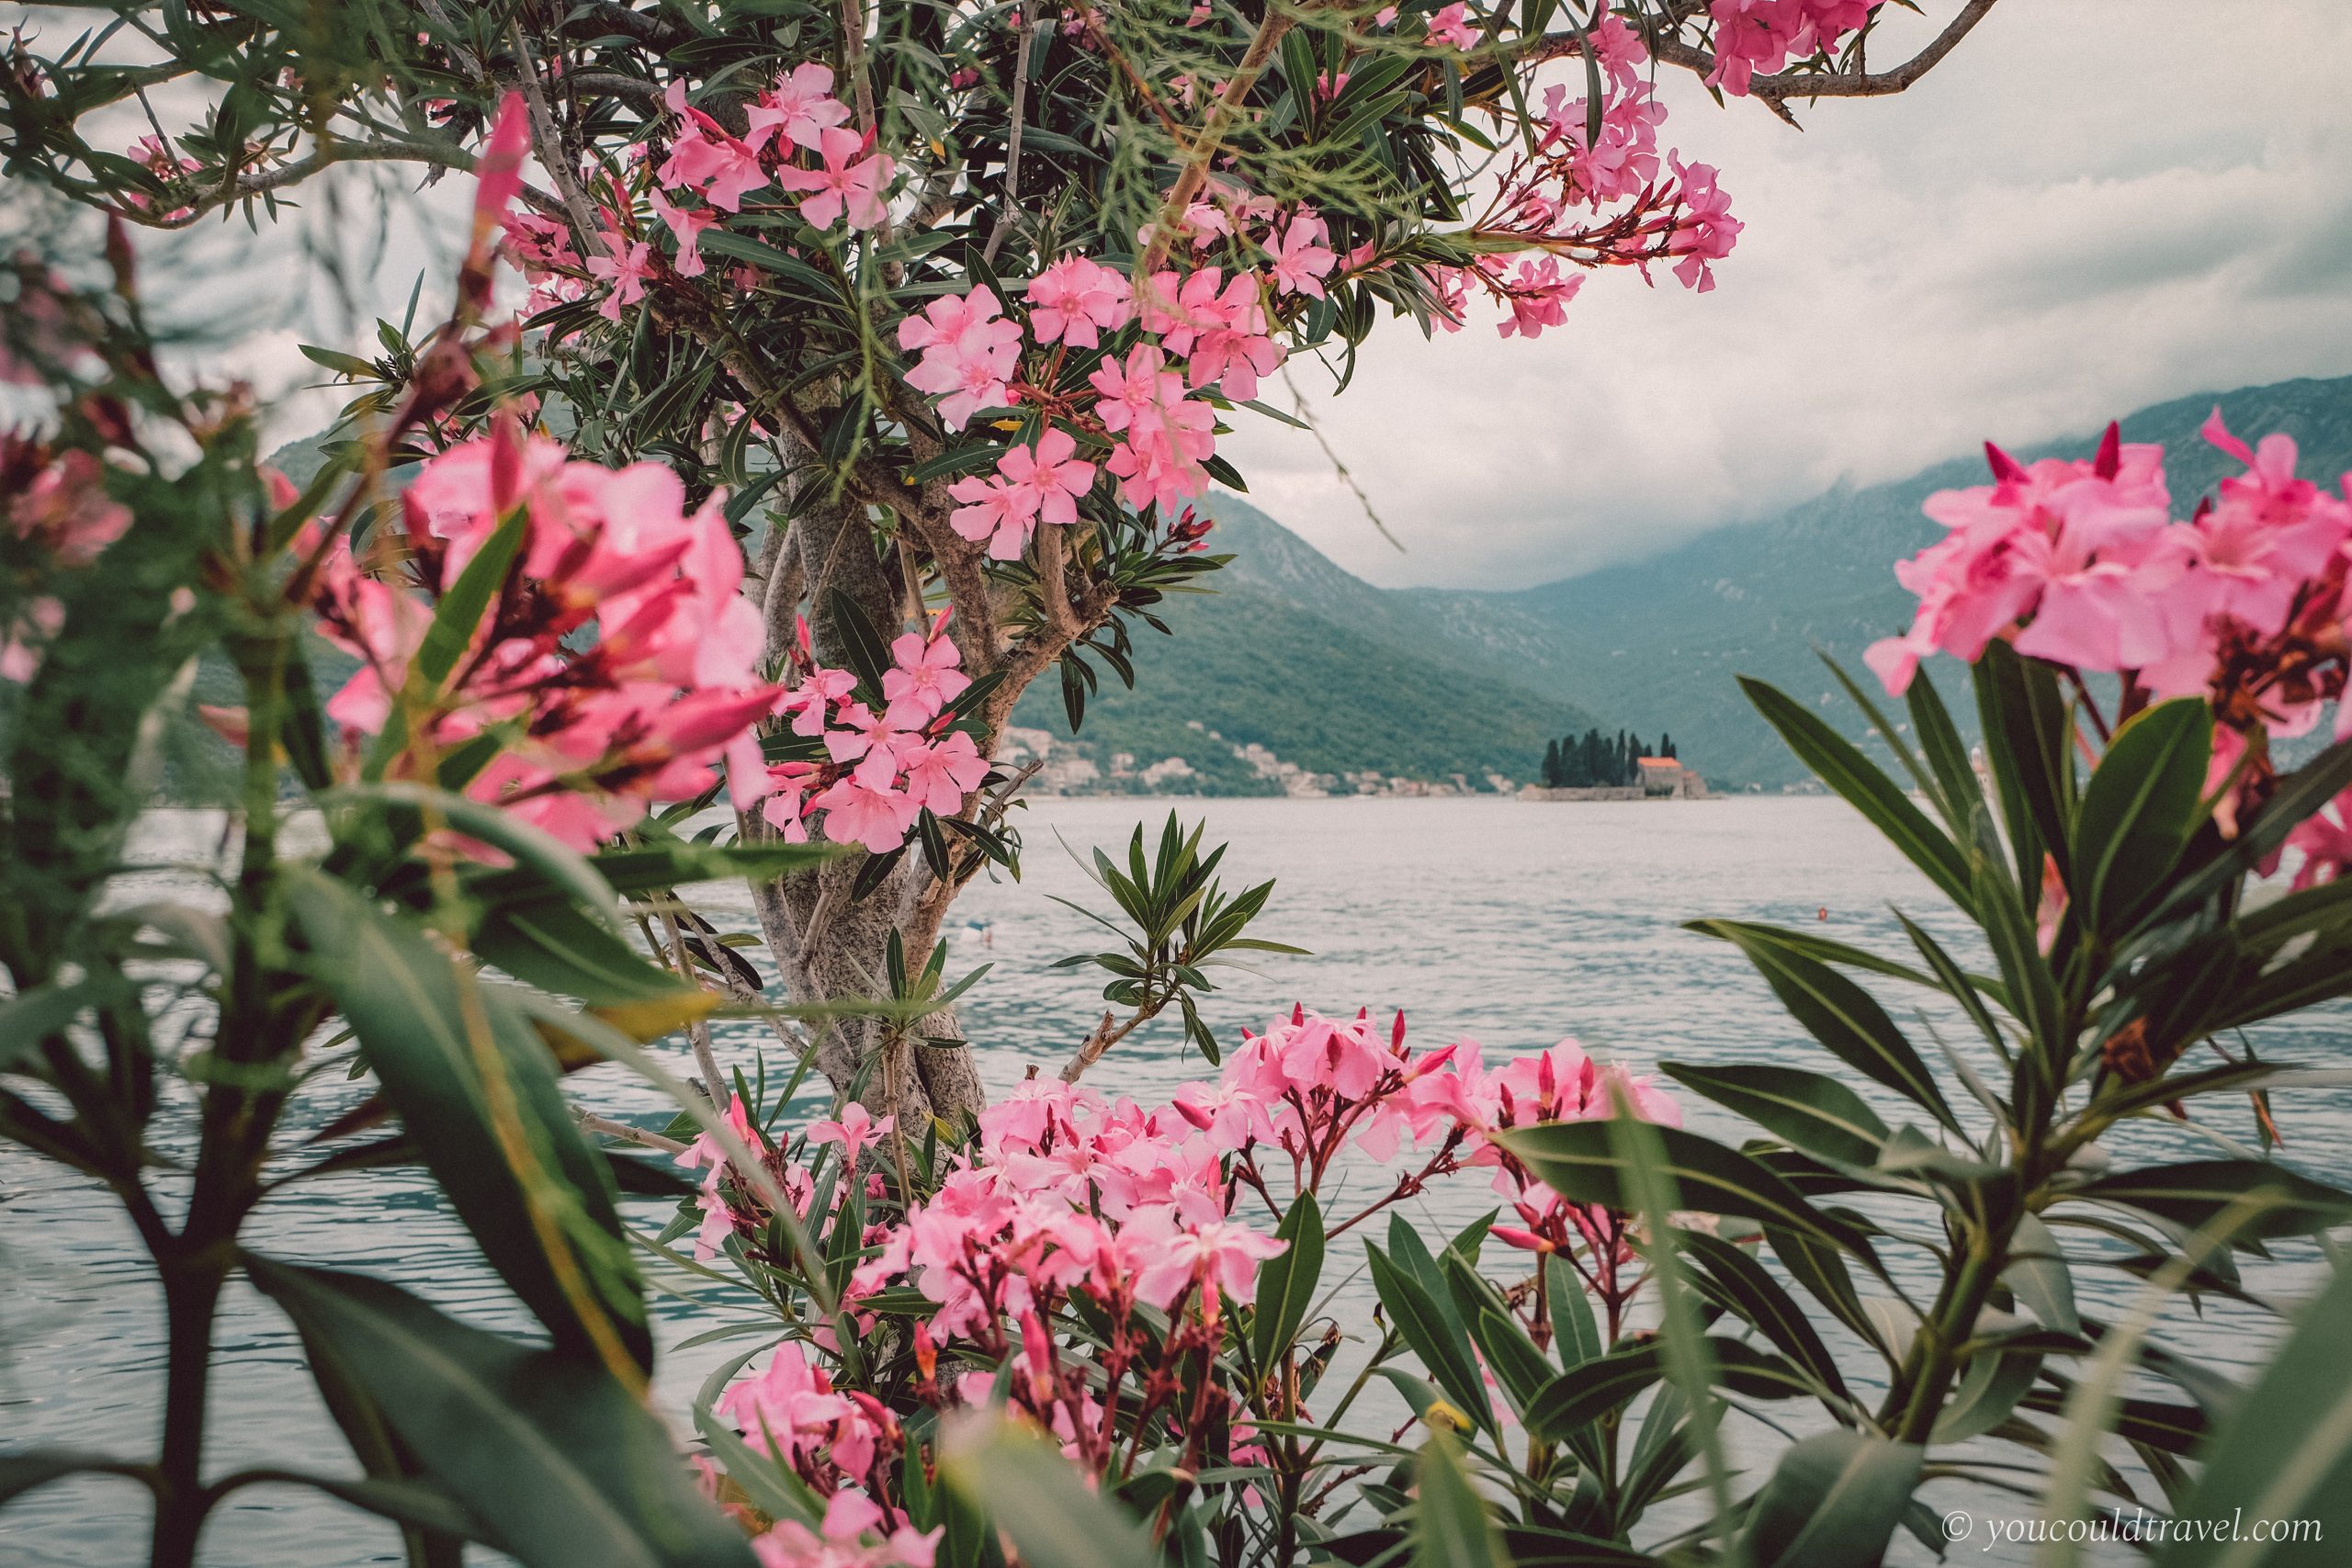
x: 1511, y: 924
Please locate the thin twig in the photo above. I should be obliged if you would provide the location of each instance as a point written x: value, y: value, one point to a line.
x: 607, y: 1127
x: 1005, y: 217
x: 1223, y: 113
x: 552, y: 156
x: 1313, y: 428
x: 1106, y: 1034
x: 853, y: 62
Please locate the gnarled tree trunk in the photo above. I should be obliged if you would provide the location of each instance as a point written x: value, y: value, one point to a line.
x: 830, y: 946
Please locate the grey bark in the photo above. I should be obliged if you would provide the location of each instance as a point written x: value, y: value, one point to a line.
x: 829, y: 947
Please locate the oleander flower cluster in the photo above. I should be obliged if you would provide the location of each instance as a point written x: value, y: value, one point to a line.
x: 58, y: 517
x: 887, y: 755
x: 2084, y: 566
x: 1752, y: 36
x: 611, y: 661
x: 1589, y: 193
x: 1129, y: 368
x: 795, y: 142
x: 1087, y: 1261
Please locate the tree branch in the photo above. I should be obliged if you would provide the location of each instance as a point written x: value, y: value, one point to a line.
x: 613, y: 85
x: 1810, y: 84
x: 1025, y: 47
x: 609, y: 1128
x: 554, y: 155
x: 259, y: 182
x: 1214, y: 130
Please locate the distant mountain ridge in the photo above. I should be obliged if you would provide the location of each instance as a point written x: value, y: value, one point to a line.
x: 1663, y: 638
x: 1293, y: 654
x: 1332, y: 672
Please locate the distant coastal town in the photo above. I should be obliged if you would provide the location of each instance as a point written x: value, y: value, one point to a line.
x: 1065, y: 767
x: 1578, y: 768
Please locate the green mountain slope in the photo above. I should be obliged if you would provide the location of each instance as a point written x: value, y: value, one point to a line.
x: 1293, y: 654
x: 1658, y: 643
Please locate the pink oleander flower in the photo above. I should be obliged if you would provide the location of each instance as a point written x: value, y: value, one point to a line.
x: 855, y: 1535
x: 1302, y: 255
x: 941, y: 774
x: 1451, y: 26
x: 1167, y: 435
x: 1136, y: 390
x: 1624, y: 162
x: 847, y: 183
x: 1048, y: 477
x: 706, y: 157
x: 2052, y: 527
x: 1074, y: 300
x: 819, y: 691
x: 945, y: 321
x: 994, y: 510
x: 1159, y: 463
x: 878, y: 743
x: 1219, y: 1256
x: 1178, y: 312
x: 626, y: 266
x: 2325, y: 841
x: 1538, y: 297
x: 855, y: 813
x: 687, y: 224
x: 854, y: 1130
x: 1765, y: 35
x: 158, y: 160
x: 1705, y: 231
x: 60, y: 505
x: 667, y: 687
x: 705, y: 1155
x: 926, y: 672
x: 2250, y: 557
x: 1219, y: 326
x: 786, y: 800
x: 791, y: 1410
x: 498, y: 174
x: 969, y: 352
x: 27, y: 638
x: 801, y: 105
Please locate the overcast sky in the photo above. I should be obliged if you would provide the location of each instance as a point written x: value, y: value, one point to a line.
x: 2093, y: 205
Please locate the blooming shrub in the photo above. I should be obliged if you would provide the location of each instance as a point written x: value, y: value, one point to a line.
x: 579, y: 739
x: 1134, y: 1282
x: 2082, y: 565
x: 1097, y: 1268
x: 945, y: 308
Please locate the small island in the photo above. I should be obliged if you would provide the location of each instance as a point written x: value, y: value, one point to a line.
x: 1594, y: 767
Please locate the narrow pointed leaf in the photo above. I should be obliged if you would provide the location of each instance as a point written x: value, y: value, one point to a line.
x: 1286, y: 1282
x: 505, y: 1149
x: 1813, y: 1112
x: 2193, y: 1193
x: 1860, y: 783
x: 1035, y: 1496
x: 1848, y: 1021
x: 1432, y: 1334
x: 2140, y: 808
x: 1451, y: 1527
x: 1833, y: 1502
x: 1577, y: 1159
x: 577, y: 1473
